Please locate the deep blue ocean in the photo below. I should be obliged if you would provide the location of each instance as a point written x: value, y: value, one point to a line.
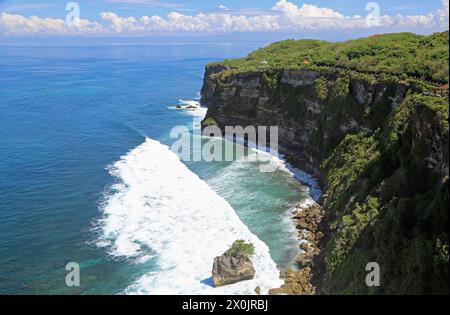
x: 66, y: 115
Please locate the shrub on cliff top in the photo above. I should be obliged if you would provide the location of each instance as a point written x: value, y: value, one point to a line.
x: 241, y: 247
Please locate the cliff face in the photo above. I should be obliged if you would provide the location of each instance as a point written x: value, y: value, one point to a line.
x: 313, y: 110
x: 381, y: 152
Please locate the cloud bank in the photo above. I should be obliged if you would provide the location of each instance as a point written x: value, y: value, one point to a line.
x: 284, y: 16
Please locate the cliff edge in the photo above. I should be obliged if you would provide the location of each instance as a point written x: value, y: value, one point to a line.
x: 369, y: 118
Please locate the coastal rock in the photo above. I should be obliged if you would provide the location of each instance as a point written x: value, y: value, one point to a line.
x: 229, y: 269
x: 309, y: 218
x: 276, y: 291
x: 305, y: 260
x: 304, y: 246
x: 297, y: 282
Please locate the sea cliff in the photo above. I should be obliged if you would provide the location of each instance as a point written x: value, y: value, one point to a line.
x: 375, y: 135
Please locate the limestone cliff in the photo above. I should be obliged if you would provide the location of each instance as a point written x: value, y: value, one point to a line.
x: 380, y: 149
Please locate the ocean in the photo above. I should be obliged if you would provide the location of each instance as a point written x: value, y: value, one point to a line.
x: 87, y: 176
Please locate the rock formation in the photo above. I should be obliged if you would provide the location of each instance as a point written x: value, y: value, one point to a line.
x: 232, y: 268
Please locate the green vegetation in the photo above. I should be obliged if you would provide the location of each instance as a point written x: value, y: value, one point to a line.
x: 386, y: 206
x: 209, y: 121
x: 240, y: 247
x: 321, y: 88
x: 348, y: 161
x: 379, y: 58
x: 341, y: 88
x: 349, y: 230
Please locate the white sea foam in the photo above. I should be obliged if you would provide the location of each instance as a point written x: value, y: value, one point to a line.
x: 188, y: 102
x: 191, y: 107
x: 198, y: 113
x: 161, y: 209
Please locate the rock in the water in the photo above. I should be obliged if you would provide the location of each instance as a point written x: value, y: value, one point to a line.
x: 229, y: 269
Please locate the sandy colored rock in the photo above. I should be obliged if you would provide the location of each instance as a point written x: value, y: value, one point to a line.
x: 297, y: 282
x: 229, y: 269
x: 304, y: 246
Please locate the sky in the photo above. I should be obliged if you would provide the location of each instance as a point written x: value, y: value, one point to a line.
x: 325, y: 19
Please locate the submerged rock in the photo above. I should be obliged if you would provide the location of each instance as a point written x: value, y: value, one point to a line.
x: 229, y: 269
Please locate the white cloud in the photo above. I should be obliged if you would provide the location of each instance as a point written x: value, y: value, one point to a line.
x: 222, y: 7
x: 305, y: 11
x: 119, y: 24
x: 443, y: 13
x: 284, y: 16
x: 312, y: 17
x: 12, y: 24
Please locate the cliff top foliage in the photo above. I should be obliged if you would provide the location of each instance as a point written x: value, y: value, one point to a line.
x: 240, y: 247
x: 402, y: 55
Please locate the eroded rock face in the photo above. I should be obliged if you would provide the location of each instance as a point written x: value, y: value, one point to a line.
x: 229, y: 269
x: 308, y: 127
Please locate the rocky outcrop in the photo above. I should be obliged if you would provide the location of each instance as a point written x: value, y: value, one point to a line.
x: 229, y: 269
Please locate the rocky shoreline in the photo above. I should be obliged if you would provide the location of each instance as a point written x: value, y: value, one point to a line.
x: 301, y: 281
x: 308, y: 216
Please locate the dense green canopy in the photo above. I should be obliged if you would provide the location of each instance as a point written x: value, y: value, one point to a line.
x: 402, y: 54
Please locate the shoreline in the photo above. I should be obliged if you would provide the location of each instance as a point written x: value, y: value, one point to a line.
x: 307, y: 216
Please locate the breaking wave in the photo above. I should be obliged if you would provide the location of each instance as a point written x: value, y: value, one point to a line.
x: 160, y: 210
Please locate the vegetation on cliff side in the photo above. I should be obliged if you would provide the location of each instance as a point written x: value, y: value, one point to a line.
x: 389, y: 203
x: 388, y: 56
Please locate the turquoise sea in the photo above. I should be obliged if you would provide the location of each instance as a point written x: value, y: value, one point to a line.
x: 79, y: 180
